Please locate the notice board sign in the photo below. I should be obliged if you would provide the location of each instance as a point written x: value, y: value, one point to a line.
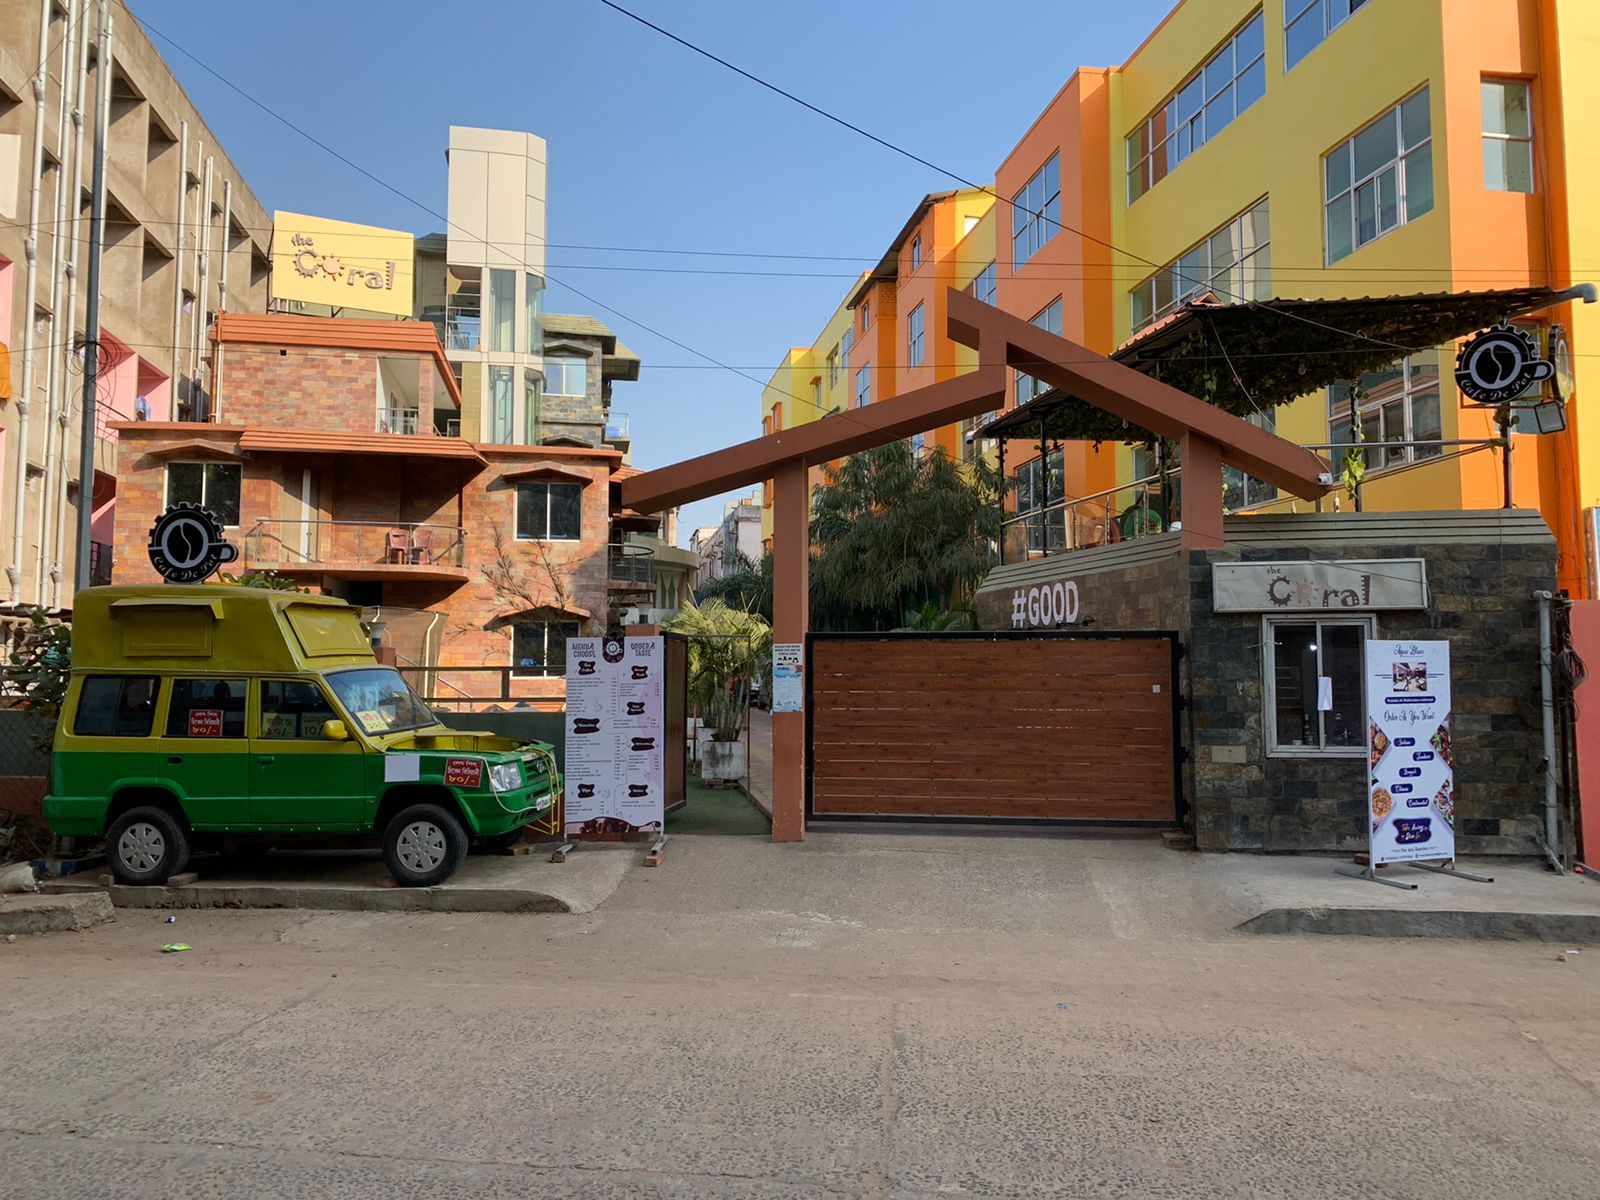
x: 1411, y: 806
x: 616, y: 752
x: 788, y: 677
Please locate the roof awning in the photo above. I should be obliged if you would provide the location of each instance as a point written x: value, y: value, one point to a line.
x: 259, y: 438
x: 546, y: 473
x: 1248, y: 357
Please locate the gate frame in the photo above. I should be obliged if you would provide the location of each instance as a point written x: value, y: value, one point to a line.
x: 1180, y: 805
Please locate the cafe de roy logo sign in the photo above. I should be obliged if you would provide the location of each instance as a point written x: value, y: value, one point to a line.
x: 186, y: 544
x: 1498, y: 365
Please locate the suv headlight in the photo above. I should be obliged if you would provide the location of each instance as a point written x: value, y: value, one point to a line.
x: 505, y: 777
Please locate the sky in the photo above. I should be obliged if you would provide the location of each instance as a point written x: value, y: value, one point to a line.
x: 652, y: 148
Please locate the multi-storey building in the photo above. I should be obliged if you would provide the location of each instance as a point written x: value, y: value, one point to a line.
x: 184, y: 239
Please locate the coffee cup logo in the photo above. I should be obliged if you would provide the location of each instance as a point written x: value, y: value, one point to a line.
x: 186, y: 544
x: 1500, y: 364
x: 611, y: 650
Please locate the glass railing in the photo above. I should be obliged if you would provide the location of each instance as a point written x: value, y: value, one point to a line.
x: 287, y: 545
x: 1119, y: 514
x: 399, y: 420
x: 616, y: 427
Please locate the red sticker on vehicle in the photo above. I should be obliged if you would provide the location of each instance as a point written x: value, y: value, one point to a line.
x: 205, y: 722
x: 463, y: 772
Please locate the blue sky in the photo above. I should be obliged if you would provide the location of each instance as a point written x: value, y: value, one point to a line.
x: 651, y: 147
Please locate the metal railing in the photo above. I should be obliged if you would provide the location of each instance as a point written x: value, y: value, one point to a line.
x: 399, y: 420
x: 285, y: 545
x: 99, y: 563
x: 1117, y: 514
x: 631, y: 563
x: 616, y: 426
x: 463, y: 321
x: 474, y: 689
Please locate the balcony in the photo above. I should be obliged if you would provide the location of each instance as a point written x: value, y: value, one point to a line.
x: 631, y: 567
x: 357, y: 549
x: 399, y: 420
x: 616, y: 427
x: 1119, y: 514
x: 463, y: 321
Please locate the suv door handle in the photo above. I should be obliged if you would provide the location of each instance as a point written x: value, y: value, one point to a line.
x: 266, y: 758
x: 174, y: 758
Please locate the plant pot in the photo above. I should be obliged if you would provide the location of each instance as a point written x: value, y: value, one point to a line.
x: 723, y: 761
x: 702, y: 738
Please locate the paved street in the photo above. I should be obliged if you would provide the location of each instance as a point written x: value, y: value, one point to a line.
x: 863, y: 1015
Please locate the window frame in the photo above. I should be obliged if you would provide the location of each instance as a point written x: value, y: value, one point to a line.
x: 564, y: 363
x: 1367, y: 623
x: 1506, y: 138
x: 171, y: 709
x: 1255, y: 269
x: 547, y: 485
x: 915, y: 333
x: 833, y: 367
x: 1037, y: 387
x: 982, y: 287
x: 205, y: 487
x: 545, y: 624
x: 1325, y: 8
x: 863, y: 389
x: 157, y: 704
x: 1412, y: 384
x: 916, y: 251
x: 1398, y: 164
x: 259, y: 687
x: 1032, y: 205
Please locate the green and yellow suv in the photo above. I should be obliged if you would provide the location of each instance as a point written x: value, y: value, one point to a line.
x: 208, y: 713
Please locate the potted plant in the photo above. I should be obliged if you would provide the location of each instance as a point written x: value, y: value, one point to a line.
x: 727, y: 647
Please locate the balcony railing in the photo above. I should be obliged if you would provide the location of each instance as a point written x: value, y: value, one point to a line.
x: 631, y: 563
x: 616, y: 427
x: 399, y: 420
x: 1118, y: 514
x: 299, y: 545
x: 463, y: 322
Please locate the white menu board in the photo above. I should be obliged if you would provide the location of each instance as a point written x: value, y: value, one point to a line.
x: 615, y: 770
x: 1411, y: 799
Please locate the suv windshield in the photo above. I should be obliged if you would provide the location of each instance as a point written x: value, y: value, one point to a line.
x: 380, y: 700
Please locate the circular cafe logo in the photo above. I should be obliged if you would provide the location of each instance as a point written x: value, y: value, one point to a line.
x: 611, y: 650
x: 1499, y: 364
x: 186, y: 544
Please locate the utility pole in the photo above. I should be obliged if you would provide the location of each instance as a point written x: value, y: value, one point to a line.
x: 91, y: 324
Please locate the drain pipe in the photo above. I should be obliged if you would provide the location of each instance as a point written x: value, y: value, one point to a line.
x: 177, y: 373
x: 19, y: 483
x: 1550, y: 839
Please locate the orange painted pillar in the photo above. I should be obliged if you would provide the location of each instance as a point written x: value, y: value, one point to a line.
x: 791, y: 618
x: 1202, y: 492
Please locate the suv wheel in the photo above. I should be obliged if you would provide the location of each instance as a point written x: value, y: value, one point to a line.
x: 423, y: 845
x: 146, y: 846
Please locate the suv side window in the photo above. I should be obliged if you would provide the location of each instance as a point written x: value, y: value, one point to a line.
x: 206, y: 708
x: 293, y: 708
x: 116, y: 706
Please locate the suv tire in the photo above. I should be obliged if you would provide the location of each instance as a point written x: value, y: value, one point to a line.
x: 146, y: 846
x: 423, y: 845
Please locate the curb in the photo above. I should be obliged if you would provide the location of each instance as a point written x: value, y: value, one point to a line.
x: 326, y: 898
x: 1581, y: 928
x: 54, y: 913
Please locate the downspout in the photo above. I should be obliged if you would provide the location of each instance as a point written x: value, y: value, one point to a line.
x: 222, y: 292
x: 88, y: 432
x: 64, y: 414
x: 19, y: 483
x: 55, y: 379
x: 202, y: 281
x: 177, y: 263
x: 1550, y: 840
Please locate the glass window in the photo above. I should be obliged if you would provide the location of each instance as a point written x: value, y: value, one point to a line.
x: 1048, y: 319
x: 566, y: 376
x: 539, y: 648
x: 115, y: 706
x: 1241, y: 491
x: 502, y: 310
x: 293, y: 708
x: 206, y: 708
x: 866, y: 314
x: 213, y: 486
x: 1233, y: 262
x: 914, y: 337
x: 1507, y: 136
x: 532, y: 396
x: 1299, y: 654
x: 833, y: 368
x: 916, y: 252
x: 549, y: 511
x: 380, y: 700
x: 533, y: 335
x: 1379, y: 179
x: 1036, y: 212
x: 1400, y: 403
x: 846, y: 344
x: 500, y: 405
x: 1307, y: 22
x: 983, y: 285
x: 863, y: 386
x: 1231, y: 80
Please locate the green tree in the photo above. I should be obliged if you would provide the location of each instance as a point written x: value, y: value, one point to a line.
x: 745, y: 584
x: 892, y: 532
x: 728, y: 647
x: 40, y: 668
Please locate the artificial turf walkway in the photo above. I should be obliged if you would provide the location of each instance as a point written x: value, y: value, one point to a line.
x: 717, y: 810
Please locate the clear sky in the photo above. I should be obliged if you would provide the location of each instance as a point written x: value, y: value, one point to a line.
x: 651, y: 147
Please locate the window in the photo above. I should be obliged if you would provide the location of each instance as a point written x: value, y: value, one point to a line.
x: 1233, y: 79
x: 864, y: 386
x: 500, y: 405
x: 380, y: 700
x: 918, y: 444
x: 1041, y: 485
x: 1300, y: 653
x: 1507, y: 136
x: 206, y: 708
x: 777, y: 416
x: 116, y: 706
x: 539, y: 648
x: 916, y: 252
x: 1050, y: 319
x: 866, y: 314
x: 1032, y: 222
x: 1307, y: 22
x: 293, y: 708
x: 502, y: 310
x: 532, y: 396
x: 1401, y: 404
x: 1241, y: 491
x: 982, y: 287
x: 534, y: 315
x: 549, y: 512
x: 566, y: 376
x: 914, y: 337
x: 816, y: 395
x: 1379, y: 179
x: 833, y: 368
x: 213, y: 486
x: 846, y: 344
x: 1234, y: 262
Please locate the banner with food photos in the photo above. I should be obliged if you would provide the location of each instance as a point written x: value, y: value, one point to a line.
x: 615, y: 769
x: 1411, y: 799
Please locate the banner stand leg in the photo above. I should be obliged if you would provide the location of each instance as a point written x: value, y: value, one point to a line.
x: 1369, y: 873
x: 1451, y: 871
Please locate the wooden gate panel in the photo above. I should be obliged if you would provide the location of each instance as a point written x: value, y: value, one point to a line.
x: 1052, y: 727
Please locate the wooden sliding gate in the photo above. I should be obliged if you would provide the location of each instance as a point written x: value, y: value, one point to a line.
x: 994, y: 727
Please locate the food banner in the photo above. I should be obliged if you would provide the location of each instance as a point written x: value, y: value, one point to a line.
x: 1411, y: 805
x: 615, y: 770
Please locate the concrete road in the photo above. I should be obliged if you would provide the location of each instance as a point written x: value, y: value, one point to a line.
x: 860, y: 1016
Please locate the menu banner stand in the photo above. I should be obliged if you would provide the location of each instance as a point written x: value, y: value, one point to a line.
x: 1410, y: 763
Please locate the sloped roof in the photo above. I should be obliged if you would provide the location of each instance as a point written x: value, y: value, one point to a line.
x: 616, y: 362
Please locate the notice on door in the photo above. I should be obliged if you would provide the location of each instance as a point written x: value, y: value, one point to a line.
x: 616, y: 735
x: 1411, y: 803
x: 788, y: 677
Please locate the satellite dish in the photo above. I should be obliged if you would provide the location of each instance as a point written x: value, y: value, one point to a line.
x: 141, y: 409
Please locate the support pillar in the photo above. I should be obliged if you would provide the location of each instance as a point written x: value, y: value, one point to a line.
x: 791, y: 618
x: 1202, y: 492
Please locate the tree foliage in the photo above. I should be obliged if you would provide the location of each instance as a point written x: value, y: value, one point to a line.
x: 40, y: 668
x: 745, y: 584
x: 728, y: 647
